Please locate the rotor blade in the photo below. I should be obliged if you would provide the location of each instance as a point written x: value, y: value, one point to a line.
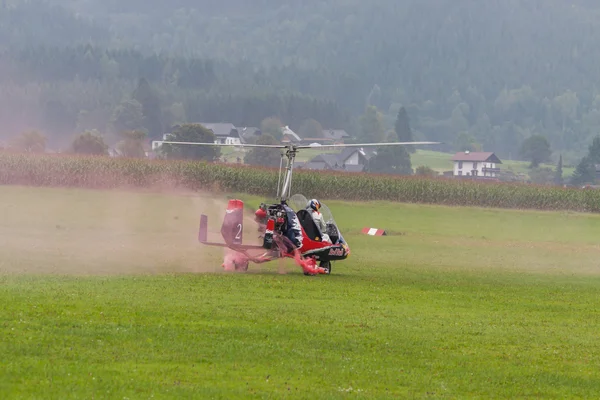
x: 273, y: 146
x: 366, y: 145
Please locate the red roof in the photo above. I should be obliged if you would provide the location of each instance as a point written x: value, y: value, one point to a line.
x: 476, y: 156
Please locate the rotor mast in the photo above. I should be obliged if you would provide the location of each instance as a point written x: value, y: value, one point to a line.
x: 290, y: 153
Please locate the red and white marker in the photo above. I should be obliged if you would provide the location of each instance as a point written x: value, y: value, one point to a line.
x: 374, y: 232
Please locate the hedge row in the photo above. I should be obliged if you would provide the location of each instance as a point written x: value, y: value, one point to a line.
x: 104, y: 172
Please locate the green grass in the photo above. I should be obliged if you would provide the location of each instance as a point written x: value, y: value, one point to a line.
x: 108, y: 295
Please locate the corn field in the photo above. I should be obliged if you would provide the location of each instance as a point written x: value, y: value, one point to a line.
x: 107, y: 173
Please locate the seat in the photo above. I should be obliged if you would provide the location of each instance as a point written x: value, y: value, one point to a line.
x: 309, y: 226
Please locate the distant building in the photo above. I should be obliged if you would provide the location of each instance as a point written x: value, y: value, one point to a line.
x: 335, y: 135
x: 328, y: 136
x: 249, y: 134
x: 225, y: 133
x: 289, y: 136
x: 351, y: 160
x: 476, y: 164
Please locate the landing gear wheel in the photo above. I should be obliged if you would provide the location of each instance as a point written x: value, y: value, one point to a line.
x: 326, y: 265
x: 243, y: 266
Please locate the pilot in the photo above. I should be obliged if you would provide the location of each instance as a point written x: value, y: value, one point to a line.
x: 294, y: 231
x: 313, y: 208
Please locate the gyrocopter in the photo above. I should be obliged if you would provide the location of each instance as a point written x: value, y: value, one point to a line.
x: 286, y: 227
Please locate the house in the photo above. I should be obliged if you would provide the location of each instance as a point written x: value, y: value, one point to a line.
x: 323, y: 161
x: 226, y: 133
x: 335, y: 135
x: 350, y: 160
x: 248, y: 134
x: 356, y: 156
x: 328, y: 136
x: 289, y: 136
x: 479, y: 164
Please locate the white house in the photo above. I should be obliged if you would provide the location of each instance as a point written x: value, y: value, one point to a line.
x: 479, y: 164
x: 225, y: 133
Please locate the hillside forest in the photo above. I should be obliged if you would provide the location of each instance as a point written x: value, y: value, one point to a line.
x: 507, y: 77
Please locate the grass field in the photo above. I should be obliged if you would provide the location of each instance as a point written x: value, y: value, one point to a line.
x: 108, y: 295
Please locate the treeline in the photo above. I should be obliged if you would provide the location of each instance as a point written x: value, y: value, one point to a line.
x: 471, y: 76
x: 64, y: 91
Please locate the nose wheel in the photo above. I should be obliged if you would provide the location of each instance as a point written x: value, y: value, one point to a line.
x: 326, y: 265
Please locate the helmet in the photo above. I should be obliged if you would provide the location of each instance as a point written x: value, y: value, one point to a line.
x: 314, y: 204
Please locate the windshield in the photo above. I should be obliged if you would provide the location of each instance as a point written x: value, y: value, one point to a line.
x: 297, y: 202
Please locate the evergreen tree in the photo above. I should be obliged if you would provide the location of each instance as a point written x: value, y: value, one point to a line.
x: 372, y: 127
x: 391, y: 159
x: 402, y: 129
x: 151, y: 110
x: 586, y: 169
x: 558, y: 174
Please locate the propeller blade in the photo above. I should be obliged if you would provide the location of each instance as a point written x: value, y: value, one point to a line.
x: 365, y: 145
x: 272, y: 146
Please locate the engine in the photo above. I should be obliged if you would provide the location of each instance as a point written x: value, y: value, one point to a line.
x: 273, y: 218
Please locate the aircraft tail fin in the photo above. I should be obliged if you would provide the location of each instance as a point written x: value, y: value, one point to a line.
x: 232, y: 228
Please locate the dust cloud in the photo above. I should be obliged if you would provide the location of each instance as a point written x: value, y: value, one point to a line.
x: 94, y: 232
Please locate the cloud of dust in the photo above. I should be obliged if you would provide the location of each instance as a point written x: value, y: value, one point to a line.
x: 124, y: 231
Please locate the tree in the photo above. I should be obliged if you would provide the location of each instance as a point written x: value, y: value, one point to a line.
x: 151, y: 110
x: 191, y: 133
x: 558, y: 173
x: 466, y: 142
x: 585, y: 172
x: 391, y: 159
x: 372, y: 128
x: 90, y: 143
x: 29, y: 142
x: 424, y: 170
x: 128, y: 116
x: 272, y: 126
x: 311, y: 128
x: 264, y: 156
x: 402, y: 129
x: 541, y: 175
x: 132, y: 144
x: 535, y: 149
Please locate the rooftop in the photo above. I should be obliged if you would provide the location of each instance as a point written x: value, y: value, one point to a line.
x: 476, y: 156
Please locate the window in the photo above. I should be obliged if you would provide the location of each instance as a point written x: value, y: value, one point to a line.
x: 460, y: 165
x: 474, y: 165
